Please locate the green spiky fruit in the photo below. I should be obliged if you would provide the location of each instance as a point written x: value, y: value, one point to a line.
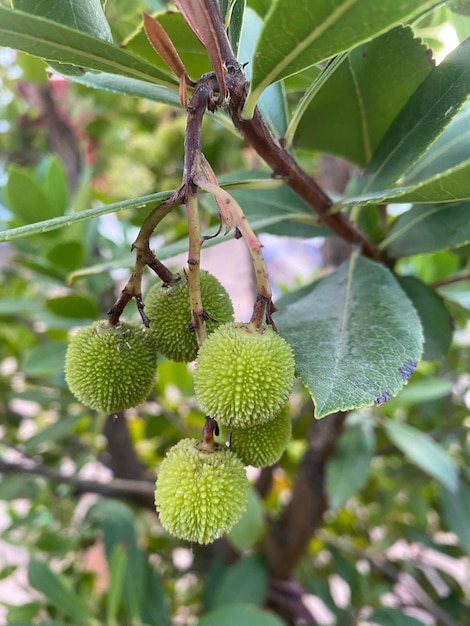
x: 169, y: 311
x: 260, y: 445
x: 111, y: 368
x: 243, y: 375
x: 200, y: 492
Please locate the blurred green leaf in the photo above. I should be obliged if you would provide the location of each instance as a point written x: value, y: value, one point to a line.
x: 47, y: 359
x: 67, y: 255
x: 237, y: 614
x: 25, y: 196
x: 434, y: 315
x: 16, y: 486
x: 424, y: 452
x: 393, y: 617
x: 248, y: 530
x: 348, y: 469
x: 428, y: 389
x: 359, y: 337
x: 58, y: 591
x: 245, y: 581
x: 455, y: 507
x: 117, y: 570
x: 56, y: 185
x: 53, y: 433
x: 74, y: 306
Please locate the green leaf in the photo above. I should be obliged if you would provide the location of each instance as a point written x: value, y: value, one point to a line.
x: 128, y: 86
x: 428, y: 228
x: 348, y: 469
x: 447, y: 186
x: 435, y: 317
x: 56, y: 185
x: 356, y: 337
x: 449, y: 149
x: 143, y: 202
x: 64, y: 426
x: 46, y: 39
x: 245, y: 581
x: 116, y: 521
x: 237, y: 614
x: 25, y: 197
x: 272, y: 102
x: 16, y: 486
x: 424, y: 452
x: 154, y: 608
x: 235, y: 16
x: 317, y: 31
x: 67, y: 255
x: 74, y: 306
x: 427, y: 389
x: 45, y: 360
x: 117, y: 570
x: 455, y: 507
x: 393, y: 617
x: 353, y: 108
x: 248, y: 530
x: 58, y: 592
x: 429, y: 110
x: 84, y: 15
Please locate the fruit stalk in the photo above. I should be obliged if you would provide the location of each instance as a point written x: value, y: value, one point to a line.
x: 263, y: 301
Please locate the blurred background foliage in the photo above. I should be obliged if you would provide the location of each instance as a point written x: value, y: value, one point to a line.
x: 76, y: 490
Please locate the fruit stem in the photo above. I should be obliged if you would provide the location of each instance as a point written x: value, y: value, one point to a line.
x: 227, y: 203
x: 210, y: 427
x: 198, y: 323
x: 144, y: 257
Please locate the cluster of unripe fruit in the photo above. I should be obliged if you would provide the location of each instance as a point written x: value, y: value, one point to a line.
x: 243, y: 377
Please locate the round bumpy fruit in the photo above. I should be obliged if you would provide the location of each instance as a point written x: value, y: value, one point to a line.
x: 169, y: 312
x: 200, y: 492
x: 260, y: 445
x: 243, y: 375
x: 111, y: 368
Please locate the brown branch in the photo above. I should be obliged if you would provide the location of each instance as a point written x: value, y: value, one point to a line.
x: 139, y: 492
x: 293, y: 530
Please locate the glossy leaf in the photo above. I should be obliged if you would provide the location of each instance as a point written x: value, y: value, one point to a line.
x: 143, y: 202
x: 348, y: 469
x: 355, y: 335
x: 272, y: 102
x: 351, y: 111
x: 429, y: 110
x: 427, y: 389
x: 57, y: 590
x: 317, y: 31
x: 429, y: 227
x: 424, y: 452
x: 450, y: 149
x: 448, y: 186
x: 128, y: 86
x: 455, y: 507
x: 48, y: 40
x: 237, y: 614
x: 250, y: 526
x: 434, y: 315
x: 84, y: 15
x: 244, y: 581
